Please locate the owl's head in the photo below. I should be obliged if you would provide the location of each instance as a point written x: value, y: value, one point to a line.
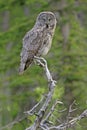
x: 46, y: 19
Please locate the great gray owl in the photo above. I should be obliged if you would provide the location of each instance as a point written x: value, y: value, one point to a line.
x: 37, y: 41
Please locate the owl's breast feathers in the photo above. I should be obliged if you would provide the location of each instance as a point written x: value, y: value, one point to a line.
x: 35, y: 42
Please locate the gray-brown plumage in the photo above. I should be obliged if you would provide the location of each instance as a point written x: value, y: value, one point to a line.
x: 37, y: 41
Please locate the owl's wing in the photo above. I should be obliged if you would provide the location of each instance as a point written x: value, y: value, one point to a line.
x: 31, y: 44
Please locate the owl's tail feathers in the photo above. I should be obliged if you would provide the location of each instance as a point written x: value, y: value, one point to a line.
x: 21, y: 68
x: 24, y: 66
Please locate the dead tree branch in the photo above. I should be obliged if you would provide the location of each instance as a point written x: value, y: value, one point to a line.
x: 51, y: 83
x: 42, y: 120
x: 71, y: 123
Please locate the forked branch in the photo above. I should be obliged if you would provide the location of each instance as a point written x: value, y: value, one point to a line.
x: 42, y: 120
x: 51, y: 83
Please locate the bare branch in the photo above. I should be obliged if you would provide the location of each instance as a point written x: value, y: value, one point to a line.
x: 32, y: 111
x: 42, y: 62
x: 41, y: 112
x: 51, y: 111
x: 70, y: 111
x: 71, y: 123
x: 42, y: 117
x: 51, y: 82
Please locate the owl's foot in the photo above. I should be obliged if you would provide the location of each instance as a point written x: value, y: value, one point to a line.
x: 40, y: 61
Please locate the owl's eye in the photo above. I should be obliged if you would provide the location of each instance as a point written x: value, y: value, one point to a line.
x: 49, y: 19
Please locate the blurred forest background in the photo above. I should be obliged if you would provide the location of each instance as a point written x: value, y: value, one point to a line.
x: 67, y: 59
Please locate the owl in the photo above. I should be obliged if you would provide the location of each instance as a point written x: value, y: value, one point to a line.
x: 37, y: 42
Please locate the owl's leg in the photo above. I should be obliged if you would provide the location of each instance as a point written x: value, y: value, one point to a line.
x: 36, y: 61
x: 40, y: 61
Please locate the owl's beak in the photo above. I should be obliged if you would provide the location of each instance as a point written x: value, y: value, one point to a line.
x: 47, y: 26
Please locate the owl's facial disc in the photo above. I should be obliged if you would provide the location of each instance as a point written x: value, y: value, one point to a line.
x: 47, y: 19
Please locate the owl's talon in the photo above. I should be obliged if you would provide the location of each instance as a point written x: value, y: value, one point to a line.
x: 40, y: 61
